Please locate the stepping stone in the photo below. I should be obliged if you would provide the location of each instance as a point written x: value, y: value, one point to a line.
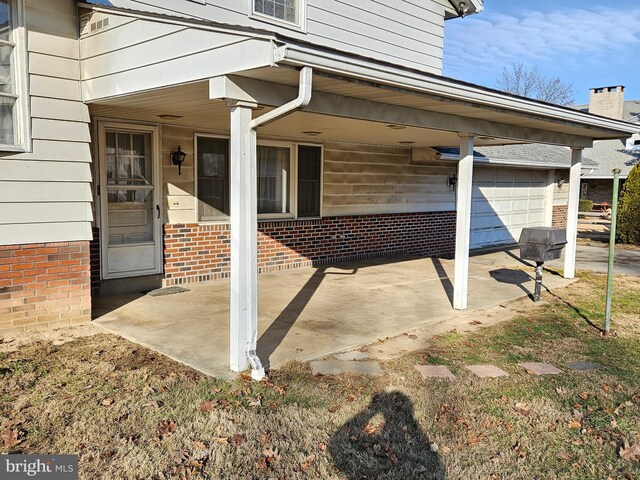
x: 351, y: 356
x: 540, y: 368
x: 583, y: 366
x: 487, y: 371
x: 435, y: 371
x: 337, y: 367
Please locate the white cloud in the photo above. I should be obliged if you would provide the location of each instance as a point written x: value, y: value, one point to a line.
x: 489, y: 41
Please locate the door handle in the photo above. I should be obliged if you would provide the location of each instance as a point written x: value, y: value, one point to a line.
x: 158, y: 210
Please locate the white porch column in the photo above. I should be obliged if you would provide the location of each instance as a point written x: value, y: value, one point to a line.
x: 463, y: 222
x: 549, y: 194
x: 572, y: 213
x: 244, y: 237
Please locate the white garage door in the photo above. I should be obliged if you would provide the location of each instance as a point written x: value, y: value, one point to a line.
x: 505, y: 200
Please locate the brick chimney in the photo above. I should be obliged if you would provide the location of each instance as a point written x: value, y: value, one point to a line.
x: 607, y: 101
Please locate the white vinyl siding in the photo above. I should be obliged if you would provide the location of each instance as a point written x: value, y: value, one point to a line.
x: 45, y: 194
x: 504, y: 201
x: 402, y: 32
x: 362, y: 179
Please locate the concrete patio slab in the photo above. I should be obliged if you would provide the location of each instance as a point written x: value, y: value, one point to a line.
x: 540, y: 368
x: 435, y: 371
x: 338, y: 367
x: 311, y: 313
x: 487, y: 371
x: 583, y: 366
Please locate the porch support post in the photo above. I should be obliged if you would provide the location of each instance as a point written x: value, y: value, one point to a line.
x: 244, y: 240
x: 572, y: 213
x: 463, y: 222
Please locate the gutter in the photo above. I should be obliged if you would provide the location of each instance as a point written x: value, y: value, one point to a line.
x: 444, y: 88
x: 301, y: 101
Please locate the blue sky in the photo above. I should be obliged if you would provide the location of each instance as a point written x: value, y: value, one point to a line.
x: 589, y: 43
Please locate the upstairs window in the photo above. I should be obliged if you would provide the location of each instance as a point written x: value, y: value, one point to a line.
x: 13, y: 121
x: 288, y: 11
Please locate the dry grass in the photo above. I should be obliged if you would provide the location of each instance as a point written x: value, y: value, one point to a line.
x: 133, y: 414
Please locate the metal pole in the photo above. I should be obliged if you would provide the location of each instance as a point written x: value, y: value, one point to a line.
x: 612, y: 249
x: 538, y: 290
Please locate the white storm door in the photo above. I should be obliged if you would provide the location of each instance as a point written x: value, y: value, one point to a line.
x: 130, y: 210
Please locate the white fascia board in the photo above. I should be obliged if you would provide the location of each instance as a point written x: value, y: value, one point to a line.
x: 603, y: 177
x: 444, y: 87
x: 509, y: 163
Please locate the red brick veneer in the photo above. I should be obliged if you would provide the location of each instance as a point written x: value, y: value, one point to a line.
x: 195, y: 252
x: 44, y: 285
x: 560, y: 214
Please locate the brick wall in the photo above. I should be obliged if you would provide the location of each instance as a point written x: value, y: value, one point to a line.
x: 195, y: 252
x: 44, y: 285
x: 560, y: 216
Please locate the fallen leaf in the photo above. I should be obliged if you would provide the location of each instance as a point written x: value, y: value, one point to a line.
x: 434, y: 447
x: 200, y: 445
x: 370, y: 429
x: 322, y: 447
x: 583, y: 395
x: 475, y: 322
x: 179, y: 456
x: 563, y: 456
x: 577, y: 414
x: 147, y: 390
x: 262, y: 464
x: 306, y: 463
x: 561, y: 390
x: 271, y: 455
x: 264, y: 438
x: 574, y: 424
x: 255, y: 402
x: 237, y: 439
x: 445, y: 450
x: 208, y: 405
x: 474, y: 439
x: 605, y: 387
x: 508, y: 427
x: 334, y: 408
x: 351, y: 398
x: 166, y: 428
x: 523, y: 409
x: 221, y: 440
x: 11, y: 437
x: 630, y: 453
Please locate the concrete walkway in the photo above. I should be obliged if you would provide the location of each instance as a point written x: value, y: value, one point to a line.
x: 313, y: 312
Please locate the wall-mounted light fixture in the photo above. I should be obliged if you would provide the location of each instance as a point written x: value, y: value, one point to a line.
x: 452, y: 181
x: 463, y: 9
x: 561, y: 182
x: 177, y: 158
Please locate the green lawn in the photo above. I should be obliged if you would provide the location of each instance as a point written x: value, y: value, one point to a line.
x: 133, y: 414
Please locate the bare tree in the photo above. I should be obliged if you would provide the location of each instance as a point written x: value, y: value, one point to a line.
x: 530, y: 82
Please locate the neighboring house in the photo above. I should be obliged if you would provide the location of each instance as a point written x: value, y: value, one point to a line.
x: 597, y: 173
x: 597, y: 183
x: 309, y: 129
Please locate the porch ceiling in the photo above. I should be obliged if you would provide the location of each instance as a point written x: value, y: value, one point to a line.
x: 191, y: 102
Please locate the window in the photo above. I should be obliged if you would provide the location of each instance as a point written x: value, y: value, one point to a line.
x: 274, y: 167
x: 12, y: 78
x: 285, y: 10
x: 277, y: 165
x: 309, y: 181
x: 213, y: 178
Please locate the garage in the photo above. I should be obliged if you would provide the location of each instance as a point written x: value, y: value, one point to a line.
x: 504, y: 201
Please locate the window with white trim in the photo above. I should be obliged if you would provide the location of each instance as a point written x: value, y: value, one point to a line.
x: 289, y: 11
x: 281, y: 192
x: 12, y: 77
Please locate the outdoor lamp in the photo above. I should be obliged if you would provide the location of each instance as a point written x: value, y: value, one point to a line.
x: 560, y: 182
x: 453, y: 179
x: 177, y: 158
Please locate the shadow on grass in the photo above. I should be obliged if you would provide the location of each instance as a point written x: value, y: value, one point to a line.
x: 385, y: 441
x: 577, y: 310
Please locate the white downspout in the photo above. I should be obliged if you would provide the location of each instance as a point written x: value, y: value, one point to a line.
x: 303, y: 99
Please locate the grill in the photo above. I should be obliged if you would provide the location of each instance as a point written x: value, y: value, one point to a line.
x: 541, y: 244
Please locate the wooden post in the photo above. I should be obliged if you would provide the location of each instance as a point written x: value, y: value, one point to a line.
x: 572, y: 213
x: 244, y: 242
x: 464, y: 189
